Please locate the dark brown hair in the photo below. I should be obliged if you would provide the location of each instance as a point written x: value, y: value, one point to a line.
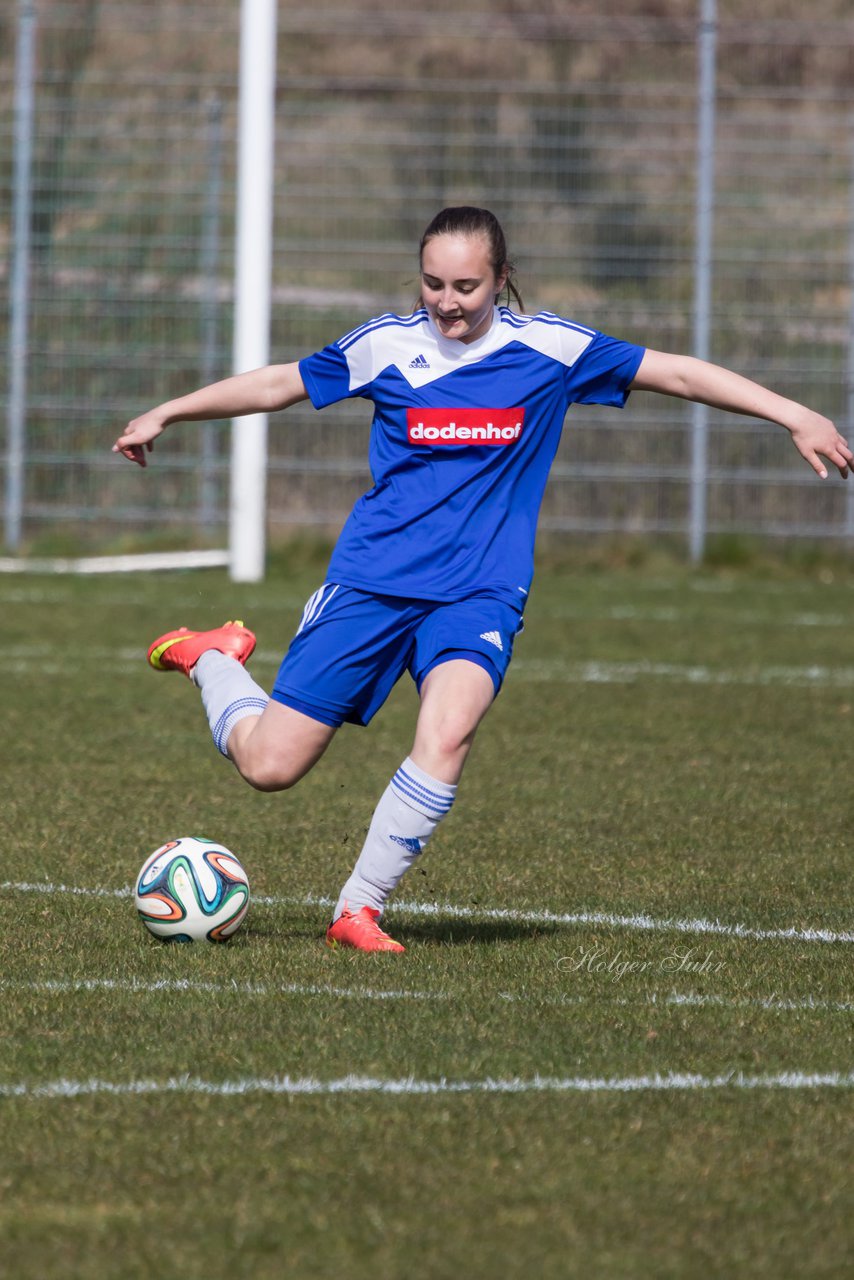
x: 467, y: 220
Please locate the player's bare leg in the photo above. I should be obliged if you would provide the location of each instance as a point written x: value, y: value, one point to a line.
x: 272, y: 746
x: 455, y: 696
x: 274, y: 750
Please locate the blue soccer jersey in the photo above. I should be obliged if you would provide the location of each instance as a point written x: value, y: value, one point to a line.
x: 462, y: 441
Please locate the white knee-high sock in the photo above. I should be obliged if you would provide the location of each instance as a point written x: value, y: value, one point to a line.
x: 410, y: 809
x: 228, y: 693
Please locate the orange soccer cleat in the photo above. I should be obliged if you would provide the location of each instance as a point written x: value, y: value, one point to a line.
x: 180, y: 650
x: 359, y: 929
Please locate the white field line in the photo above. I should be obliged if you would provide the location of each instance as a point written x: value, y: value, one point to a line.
x: 671, y: 614
x: 447, y: 910
x: 45, y: 660
x: 558, y: 671
x: 666, y: 614
x: 408, y: 1085
x: 82, y: 891
x: 641, y: 922
x: 139, y: 986
x: 118, y: 598
x: 148, y: 560
x: 170, y: 986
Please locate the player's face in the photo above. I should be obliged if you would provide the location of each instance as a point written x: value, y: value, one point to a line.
x: 458, y: 285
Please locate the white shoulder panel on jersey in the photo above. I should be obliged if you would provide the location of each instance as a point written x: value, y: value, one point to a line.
x: 412, y: 346
x: 388, y: 340
x: 550, y: 335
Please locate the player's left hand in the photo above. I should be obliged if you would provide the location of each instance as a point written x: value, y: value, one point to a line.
x: 816, y: 437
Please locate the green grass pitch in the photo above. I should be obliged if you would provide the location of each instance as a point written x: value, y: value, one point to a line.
x: 619, y: 1043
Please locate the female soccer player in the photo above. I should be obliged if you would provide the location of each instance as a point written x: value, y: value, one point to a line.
x: 432, y: 569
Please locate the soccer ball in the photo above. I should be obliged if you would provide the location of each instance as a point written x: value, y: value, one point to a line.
x: 192, y: 890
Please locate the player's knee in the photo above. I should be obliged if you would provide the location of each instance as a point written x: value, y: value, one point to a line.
x: 452, y: 734
x: 268, y: 774
x: 275, y: 762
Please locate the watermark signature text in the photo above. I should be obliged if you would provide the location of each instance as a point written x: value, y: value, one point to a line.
x: 615, y: 965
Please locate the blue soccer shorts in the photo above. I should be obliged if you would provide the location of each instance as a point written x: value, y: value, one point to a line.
x: 352, y: 647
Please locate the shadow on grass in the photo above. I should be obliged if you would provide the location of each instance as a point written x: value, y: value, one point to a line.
x: 470, y: 932
x: 439, y: 932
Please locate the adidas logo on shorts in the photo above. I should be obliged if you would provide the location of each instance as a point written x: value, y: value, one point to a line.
x: 493, y: 637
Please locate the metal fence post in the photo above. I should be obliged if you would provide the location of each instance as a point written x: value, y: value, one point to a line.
x: 707, y: 50
x: 849, y: 373
x: 19, y: 293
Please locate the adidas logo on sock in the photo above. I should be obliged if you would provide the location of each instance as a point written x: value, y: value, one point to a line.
x: 494, y: 638
x: 410, y: 844
x: 419, y: 363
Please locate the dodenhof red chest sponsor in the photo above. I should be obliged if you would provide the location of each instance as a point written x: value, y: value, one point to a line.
x: 464, y: 426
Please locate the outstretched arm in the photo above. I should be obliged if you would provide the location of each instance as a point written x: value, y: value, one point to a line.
x: 276, y: 386
x: 814, y: 436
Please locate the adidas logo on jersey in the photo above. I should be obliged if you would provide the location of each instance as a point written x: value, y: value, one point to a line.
x: 419, y: 362
x: 493, y: 637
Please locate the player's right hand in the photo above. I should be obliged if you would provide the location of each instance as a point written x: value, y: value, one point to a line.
x: 815, y: 437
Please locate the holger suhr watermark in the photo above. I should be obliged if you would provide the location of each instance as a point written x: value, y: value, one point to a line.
x: 615, y: 965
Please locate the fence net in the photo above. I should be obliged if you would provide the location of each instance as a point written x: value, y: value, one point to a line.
x: 579, y: 130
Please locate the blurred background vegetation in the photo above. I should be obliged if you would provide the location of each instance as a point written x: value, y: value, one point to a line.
x: 577, y: 126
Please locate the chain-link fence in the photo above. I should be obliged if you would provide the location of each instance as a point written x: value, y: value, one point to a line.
x: 579, y: 130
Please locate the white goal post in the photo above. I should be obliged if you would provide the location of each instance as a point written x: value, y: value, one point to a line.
x: 252, y: 296
x: 253, y: 271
